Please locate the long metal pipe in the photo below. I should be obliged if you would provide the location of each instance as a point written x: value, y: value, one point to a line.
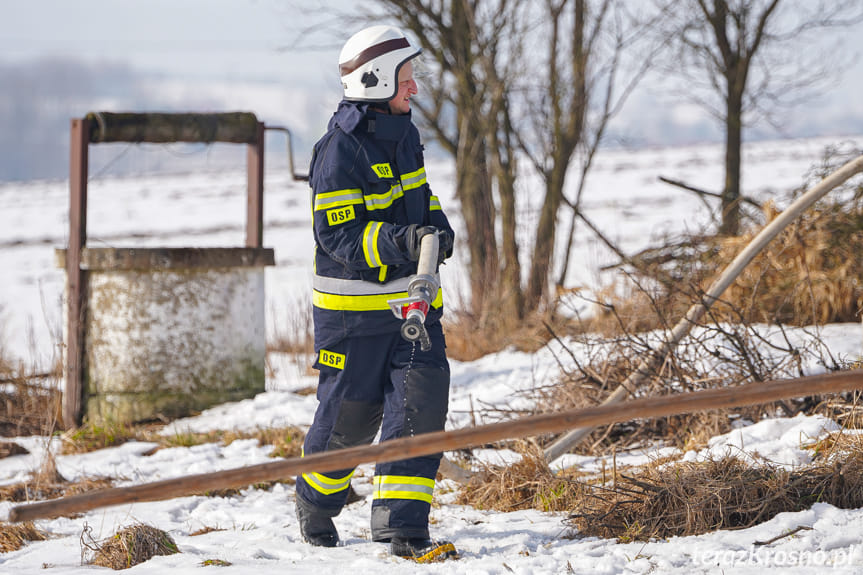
x: 429, y: 443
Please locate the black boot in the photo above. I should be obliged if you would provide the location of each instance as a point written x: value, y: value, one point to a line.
x: 316, y: 528
x: 423, y: 550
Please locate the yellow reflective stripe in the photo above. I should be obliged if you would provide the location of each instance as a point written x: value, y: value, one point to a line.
x: 370, y: 244
x: 327, y: 485
x: 373, y: 302
x: 404, y: 480
x: 414, y: 179
x: 403, y: 495
x: 324, y: 484
x: 384, y: 200
x: 434, y: 204
x: 403, y: 487
x: 338, y: 198
x: 382, y: 275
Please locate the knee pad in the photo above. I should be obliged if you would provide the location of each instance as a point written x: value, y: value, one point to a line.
x: 426, y: 400
x: 356, y: 424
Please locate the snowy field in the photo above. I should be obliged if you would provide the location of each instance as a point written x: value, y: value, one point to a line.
x: 259, y: 532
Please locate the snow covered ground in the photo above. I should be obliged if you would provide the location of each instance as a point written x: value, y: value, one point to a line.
x: 258, y: 531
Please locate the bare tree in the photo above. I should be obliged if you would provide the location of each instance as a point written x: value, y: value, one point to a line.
x: 511, y: 81
x: 493, y: 101
x: 740, y: 58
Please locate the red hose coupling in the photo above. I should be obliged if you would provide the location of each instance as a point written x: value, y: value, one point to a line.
x: 420, y: 305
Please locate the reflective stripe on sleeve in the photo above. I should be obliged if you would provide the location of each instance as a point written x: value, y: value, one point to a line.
x: 403, y: 487
x: 434, y: 204
x: 385, y: 200
x: 338, y: 198
x: 370, y: 244
x: 414, y: 179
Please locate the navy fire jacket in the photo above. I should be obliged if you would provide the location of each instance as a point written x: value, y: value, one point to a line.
x: 368, y: 185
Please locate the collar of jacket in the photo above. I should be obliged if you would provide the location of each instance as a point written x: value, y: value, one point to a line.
x: 351, y: 115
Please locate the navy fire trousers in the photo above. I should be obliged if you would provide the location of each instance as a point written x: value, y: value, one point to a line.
x: 370, y: 383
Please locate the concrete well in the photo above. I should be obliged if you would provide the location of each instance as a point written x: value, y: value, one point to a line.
x: 171, y: 331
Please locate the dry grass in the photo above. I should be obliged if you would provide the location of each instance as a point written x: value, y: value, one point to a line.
x: 286, y: 441
x: 16, y: 536
x: 48, y: 483
x: 528, y: 484
x: 728, y: 493
x: 205, y: 530
x: 469, y: 337
x: 93, y: 436
x: 672, y: 498
x: 26, y: 408
x: 811, y: 274
x: 8, y: 449
x: 294, y: 333
x: 215, y: 563
x: 128, y: 547
x: 690, y: 498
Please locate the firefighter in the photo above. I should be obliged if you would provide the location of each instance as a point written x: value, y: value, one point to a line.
x: 372, y: 205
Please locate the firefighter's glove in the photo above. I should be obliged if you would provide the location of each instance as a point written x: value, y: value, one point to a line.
x: 444, y: 245
x: 413, y: 239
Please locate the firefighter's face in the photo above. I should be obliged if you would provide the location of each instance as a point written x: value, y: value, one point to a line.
x: 407, y: 88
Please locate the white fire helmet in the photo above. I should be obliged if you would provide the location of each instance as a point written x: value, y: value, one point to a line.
x: 369, y: 63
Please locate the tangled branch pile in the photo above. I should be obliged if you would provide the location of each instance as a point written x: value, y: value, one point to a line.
x: 675, y: 498
x: 689, y: 498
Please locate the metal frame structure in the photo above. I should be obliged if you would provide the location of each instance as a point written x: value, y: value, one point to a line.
x: 234, y: 127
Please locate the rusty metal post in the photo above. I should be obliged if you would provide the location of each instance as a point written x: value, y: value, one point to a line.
x: 255, y: 202
x: 76, y: 278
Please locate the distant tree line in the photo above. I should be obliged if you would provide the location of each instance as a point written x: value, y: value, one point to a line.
x: 37, y: 99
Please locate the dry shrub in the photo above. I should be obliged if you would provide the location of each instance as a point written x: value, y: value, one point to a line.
x: 810, y: 274
x: 26, y: 408
x: 294, y: 333
x: 16, y: 536
x: 128, y: 547
x: 8, y: 449
x: 588, y: 376
x: 690, y: 498
x: 527, y: 484
x: 469, y: 336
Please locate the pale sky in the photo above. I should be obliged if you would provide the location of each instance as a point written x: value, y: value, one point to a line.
x: 196, y: 38
x: 238, y: 44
